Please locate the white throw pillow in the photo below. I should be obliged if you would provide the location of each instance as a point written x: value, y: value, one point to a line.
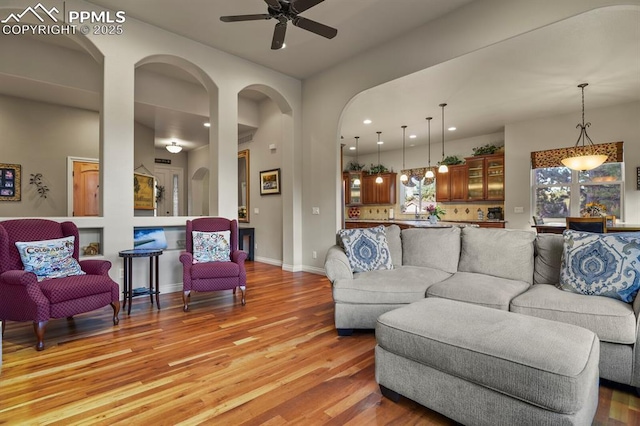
x: 49, y: 258
x: 211, y: 246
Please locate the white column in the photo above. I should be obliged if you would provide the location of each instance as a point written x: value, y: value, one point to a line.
x: 223, y: 155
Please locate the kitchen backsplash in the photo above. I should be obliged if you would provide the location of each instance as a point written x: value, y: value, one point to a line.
x: 462, y: 211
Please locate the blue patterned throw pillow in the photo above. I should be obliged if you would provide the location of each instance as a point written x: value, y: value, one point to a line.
x: 49, y: 258
x: 601, y: 264
x: 211, y: 246
x: 366, y: 248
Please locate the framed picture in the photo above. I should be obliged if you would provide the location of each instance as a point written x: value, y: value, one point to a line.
x: 270, y: 182
x: 10, y: 175
x: 144, y: 192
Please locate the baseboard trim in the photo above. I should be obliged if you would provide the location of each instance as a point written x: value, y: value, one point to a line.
x: 268, y: 261
x: 314, y: 270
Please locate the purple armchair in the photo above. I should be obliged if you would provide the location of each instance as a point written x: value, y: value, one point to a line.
x: 23, y: 298
x: 212, y: 276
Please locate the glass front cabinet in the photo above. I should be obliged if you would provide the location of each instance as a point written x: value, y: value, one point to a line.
x: 353, y: 188
x: 485, y: 177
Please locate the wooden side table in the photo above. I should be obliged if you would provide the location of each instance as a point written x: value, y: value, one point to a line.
x: 249, y: 232
x: 128, y: 292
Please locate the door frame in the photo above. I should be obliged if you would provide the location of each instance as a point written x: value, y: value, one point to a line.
x: 70, y: 161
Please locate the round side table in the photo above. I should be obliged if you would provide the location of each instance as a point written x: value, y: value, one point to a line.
x: 128, y: 292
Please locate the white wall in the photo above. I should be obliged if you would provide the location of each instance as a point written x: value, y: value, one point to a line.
x: 613, y: 124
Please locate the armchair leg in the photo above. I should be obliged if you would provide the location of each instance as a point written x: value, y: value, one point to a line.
x: 116, y: 310
x: 39, y: 327
x: 4, y: 323
x: 243, y: 289
x: 186, y: 297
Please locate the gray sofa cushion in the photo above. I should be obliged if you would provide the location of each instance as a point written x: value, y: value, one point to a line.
x: 612, y: 320
x: 545, y: 363
x: 548, y: 251
x: 405, y: 284
x: 502, y: 253
x: 395, y: 244
x: 479, y: 289
x: 435, y: 248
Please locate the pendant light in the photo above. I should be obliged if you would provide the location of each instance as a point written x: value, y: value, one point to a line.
x: 443, y: 167
x: 403, y: 177
x: 379, y: 178
x: 356, y: 181
x: 174, y: 148
x: 429, y: 174
x: 586, y: 158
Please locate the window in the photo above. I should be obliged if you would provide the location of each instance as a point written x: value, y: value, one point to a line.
x: 418, y: 195
x: 559, y: 192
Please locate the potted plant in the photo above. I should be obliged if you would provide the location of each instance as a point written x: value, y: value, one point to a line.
x: 485, y: 150
x: 451, y: 160
x: 435, y: 212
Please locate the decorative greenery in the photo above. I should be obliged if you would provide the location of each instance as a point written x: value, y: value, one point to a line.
x: 485, y: 149
x: 451, y: 160
x: 36, y: 179
x: 355, y: 167
x: 435, y: 210
x: 159, y: 193
x: 378, y: 169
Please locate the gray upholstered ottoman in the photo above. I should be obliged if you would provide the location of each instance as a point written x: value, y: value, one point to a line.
x: 482, y: 366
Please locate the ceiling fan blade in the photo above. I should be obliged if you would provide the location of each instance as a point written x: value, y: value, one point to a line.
x: 300, y: 6
x: 315, y: 27
x: 273, y: 4
x: 239, y: 18
x: 278, y: 35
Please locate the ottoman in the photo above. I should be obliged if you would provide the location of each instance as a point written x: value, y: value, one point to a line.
x: 483, y: 366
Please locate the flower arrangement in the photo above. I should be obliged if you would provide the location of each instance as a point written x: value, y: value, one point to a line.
x: 435, y: 210
x: 594, y: 209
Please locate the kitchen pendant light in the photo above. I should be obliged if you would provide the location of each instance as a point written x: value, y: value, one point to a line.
x: 379, y: 178
x: 429, y: 174
x: 403, y: 177
x: 443, y: 167
x: 585, y: 158
x: 356, y: 181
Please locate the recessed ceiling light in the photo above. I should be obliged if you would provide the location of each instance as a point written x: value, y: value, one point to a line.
x: 367, y: 121
x: 412, y: 137
x: 352, y: 148
x: 207, y: 124
x: 284, y: 45
x: 380, y: 142
x: 412, y: 144
x: 451, y: 129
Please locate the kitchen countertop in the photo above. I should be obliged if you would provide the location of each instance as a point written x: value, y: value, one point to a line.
x: 420, y: 223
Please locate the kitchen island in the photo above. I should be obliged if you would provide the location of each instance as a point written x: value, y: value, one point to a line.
x: 421, y: 223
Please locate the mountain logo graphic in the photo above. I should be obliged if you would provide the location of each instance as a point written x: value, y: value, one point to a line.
x: 38, y: 11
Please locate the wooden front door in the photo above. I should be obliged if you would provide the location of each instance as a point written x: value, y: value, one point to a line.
x: 86, y: 187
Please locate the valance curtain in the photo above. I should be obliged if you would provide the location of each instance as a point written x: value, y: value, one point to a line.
x: 553, y: 157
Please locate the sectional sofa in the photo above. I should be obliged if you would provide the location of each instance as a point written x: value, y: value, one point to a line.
x: 511, y: 270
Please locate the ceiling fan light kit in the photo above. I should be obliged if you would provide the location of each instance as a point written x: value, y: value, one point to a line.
x: 285, y: 11
x: 587, y: 158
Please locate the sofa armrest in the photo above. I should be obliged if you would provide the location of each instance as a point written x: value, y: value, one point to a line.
x: 95, y: 266
x: 186, y: 258
x: 336, y: 264
x: 18, y: 278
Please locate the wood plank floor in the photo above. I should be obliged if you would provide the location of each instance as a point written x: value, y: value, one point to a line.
x: 275, y: 361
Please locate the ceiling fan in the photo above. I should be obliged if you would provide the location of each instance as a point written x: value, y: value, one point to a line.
x: 284, y: 11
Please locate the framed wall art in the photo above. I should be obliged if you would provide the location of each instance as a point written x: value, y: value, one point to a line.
x: 10, y: 178
x: 270, y: 182
x: 144, y: 192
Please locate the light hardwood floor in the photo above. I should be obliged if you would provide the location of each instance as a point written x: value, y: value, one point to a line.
x: 275, y: 361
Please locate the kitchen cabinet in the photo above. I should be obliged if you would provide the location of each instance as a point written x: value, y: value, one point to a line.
x: 352, y: 183
x: 485, y: 177
x: 379, y: 193
x: 452, y: 186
